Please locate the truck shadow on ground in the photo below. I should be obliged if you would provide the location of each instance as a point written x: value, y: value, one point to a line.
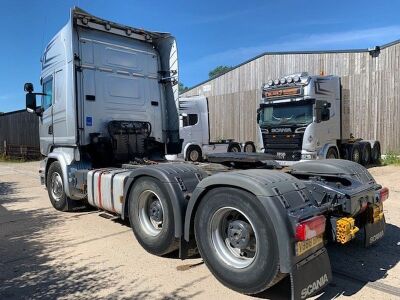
x: 355, y: 266
x: 34, y: 266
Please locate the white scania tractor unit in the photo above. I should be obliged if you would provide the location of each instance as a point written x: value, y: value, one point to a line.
x: 108, y: 117
x: 303, y: 117
x: 194, y: 129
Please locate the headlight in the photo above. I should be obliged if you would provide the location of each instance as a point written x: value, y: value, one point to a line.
x: 290, y: 80
x: 296, y: 78
x: 270, y: 82
x: 283, y: 80
x: 276, y: 81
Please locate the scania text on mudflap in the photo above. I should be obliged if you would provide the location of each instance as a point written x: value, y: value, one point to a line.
x: 108, y: 117
x: 306, y: 117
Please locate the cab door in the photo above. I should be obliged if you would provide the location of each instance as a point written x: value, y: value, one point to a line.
x: 46, y: 120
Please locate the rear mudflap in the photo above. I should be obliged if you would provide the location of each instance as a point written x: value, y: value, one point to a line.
x: 311, y: 275
x: 374, y: 232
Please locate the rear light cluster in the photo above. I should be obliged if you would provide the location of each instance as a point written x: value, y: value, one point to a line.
x: 310, y: 228
x: 383, y: 194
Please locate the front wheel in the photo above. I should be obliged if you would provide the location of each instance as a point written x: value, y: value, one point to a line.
x: 234, y: 147
x: 332, y: 154
x: 55, y: 188
x: 236, y: 239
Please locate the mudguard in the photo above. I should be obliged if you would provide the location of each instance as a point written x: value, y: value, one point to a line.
x: 67, y: 157
x: 178, y: 179
x: 311, y: 275
x: 277, y: 191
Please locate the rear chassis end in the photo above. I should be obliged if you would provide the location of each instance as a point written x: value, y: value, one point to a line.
x: 341, y: 200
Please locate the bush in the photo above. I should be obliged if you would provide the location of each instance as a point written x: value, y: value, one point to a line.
x: 391, y: 158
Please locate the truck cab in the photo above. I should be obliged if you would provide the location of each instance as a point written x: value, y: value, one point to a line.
x: 194, y: 129
x: 301, y: 118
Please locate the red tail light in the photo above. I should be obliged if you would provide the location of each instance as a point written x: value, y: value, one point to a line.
x: 310, y: 228
x: 383, y: 194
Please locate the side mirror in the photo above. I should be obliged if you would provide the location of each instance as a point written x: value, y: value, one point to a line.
x: 259, y: 115
x: 28, y: 87
x: 322, y: 111
x: 30, y: 99
x: 31, y: 102
x: 325, y: 114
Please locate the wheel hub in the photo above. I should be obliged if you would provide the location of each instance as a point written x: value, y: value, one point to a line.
x: 57, y: 188
x: 239, y: 234
x: 156, y: 211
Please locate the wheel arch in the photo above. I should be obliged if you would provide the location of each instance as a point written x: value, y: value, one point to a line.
x: 178, y: 180
x: 262, y: 192
x: 324, y: 150
x: 186, y: 148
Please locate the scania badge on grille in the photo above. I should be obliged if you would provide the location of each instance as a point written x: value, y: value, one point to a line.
x: 281, y: 130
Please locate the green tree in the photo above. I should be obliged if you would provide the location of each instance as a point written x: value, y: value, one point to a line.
x: 182, y: 88
x: 218, y: 71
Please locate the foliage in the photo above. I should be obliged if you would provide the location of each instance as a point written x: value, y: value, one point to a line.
x: 218, y: 71
x: 182, y: 88
x: 391, y: 158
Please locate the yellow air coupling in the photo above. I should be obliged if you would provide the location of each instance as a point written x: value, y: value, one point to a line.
x: 377, y: 212
x: 345, y: 230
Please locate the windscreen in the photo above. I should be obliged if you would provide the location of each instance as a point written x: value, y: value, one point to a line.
x: 286, y: 114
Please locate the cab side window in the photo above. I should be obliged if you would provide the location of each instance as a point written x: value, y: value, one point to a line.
x: 48, y: 90
x: 189, y: 120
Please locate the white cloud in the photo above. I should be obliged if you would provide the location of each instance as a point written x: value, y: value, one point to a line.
x: 351, y: 39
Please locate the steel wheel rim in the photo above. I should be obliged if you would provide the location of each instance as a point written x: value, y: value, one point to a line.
x: 194, y: 155
x: 151, y: 212
x: 56, y: 188
x: 248, y: 148
x: 234, y: 149
x: 356, y: 156
x: 221, y: 232
x: 332, y: 156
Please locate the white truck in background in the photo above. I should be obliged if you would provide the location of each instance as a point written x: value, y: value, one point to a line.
x: 109, y: 115
x: 194, y: 129
x: 303, y: 117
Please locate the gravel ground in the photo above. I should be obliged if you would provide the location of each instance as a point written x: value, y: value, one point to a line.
x: 48, y: 254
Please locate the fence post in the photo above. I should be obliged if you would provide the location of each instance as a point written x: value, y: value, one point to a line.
x: 5, y: 147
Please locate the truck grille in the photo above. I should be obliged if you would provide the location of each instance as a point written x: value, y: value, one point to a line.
x: 283, y: 141
x: 284, y: 146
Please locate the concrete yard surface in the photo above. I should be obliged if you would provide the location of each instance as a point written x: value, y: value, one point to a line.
x: 46, y: 254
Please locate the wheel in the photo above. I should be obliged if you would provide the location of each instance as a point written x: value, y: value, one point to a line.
x: 365, y: 148
x: 353, y: 152
x: 194, y: 154
x: 236, y: 239
x: 332, y: 153
x: 249, y: 147
x: 234, y: 147
x: 55, y: 188
x: 376, y: 153
x: 151, y: 216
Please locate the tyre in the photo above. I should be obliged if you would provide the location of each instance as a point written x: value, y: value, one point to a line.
x: 151, y: 216
x: 332, y: 153
x: 194, y: 154
x: 236, y: 239
x: 353, y: 152
x: 365, y: 148
x: 55, y: 188
x: 234, y: 147
x: 376, y: 153
x: 249, y: 147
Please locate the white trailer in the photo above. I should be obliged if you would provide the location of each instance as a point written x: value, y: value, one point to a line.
x: 194, y: 129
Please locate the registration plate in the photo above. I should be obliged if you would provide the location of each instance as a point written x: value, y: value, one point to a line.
x: 304, y: 246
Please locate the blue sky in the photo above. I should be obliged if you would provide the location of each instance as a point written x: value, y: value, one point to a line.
x: 209, y: 33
